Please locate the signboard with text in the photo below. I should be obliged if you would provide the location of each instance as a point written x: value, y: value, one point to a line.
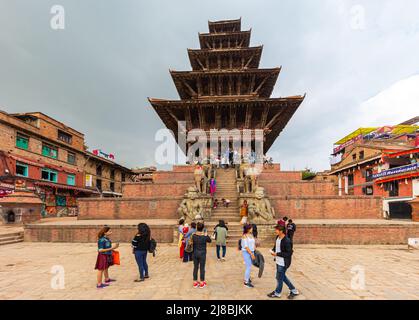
x: 398, y: 170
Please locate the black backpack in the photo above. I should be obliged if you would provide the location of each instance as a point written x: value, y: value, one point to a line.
x: 153, y: 247
x: 240, y: 244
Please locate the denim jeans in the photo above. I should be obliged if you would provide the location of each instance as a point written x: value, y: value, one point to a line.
x: 282, y: 278
x: 248, y: 261
x: 141, y: 258
x: 218, y: 251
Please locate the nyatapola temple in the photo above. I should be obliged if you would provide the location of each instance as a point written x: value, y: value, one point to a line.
x: 227, y: 94
x: 227, y: 90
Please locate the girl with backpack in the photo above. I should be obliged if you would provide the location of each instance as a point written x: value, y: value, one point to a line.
x: 141, y: 245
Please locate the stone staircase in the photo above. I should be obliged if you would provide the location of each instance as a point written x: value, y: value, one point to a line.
x: 227, y: 189
x: 9, y: 238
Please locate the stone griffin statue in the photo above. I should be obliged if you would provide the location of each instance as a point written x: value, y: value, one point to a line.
x: 260, y: 209
x: 193, y: 205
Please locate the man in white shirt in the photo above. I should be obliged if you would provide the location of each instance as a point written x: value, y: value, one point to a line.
x: 282, y: 251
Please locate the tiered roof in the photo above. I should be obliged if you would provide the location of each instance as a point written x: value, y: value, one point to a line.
x: 226, y: 88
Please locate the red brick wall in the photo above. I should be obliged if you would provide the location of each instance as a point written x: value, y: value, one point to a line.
x: 132, y: 190
x: 298, y: 188
x: 328, y: 207
x: 349, y: 234
x: 280, y: 175
x: 128, y: 208
x: 184, y: 168
x: 171, y: 176
x: 124, y: 233
x: 355, y: 234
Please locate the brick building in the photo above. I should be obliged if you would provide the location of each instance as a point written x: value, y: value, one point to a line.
x: 380, y: 162
x: 50, y: 156
x: 104, y: 175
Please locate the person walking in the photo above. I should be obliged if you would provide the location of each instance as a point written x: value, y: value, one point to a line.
x: 213, y: 186
x: 180, y: 232
x: 282, y: 251
x: 244, y: 212
x: 200, y: 240
x: 221, y: 239
x: 141, y: 245
x: 104, y: 257
x: 248, y: 251
x: 291, y: 228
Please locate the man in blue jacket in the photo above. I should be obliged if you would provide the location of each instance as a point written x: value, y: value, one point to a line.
x: 282, y: 251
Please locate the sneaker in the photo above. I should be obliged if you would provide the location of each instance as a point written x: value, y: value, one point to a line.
x: 248, y: 284
x: 293, y: 294
x: 203, y: 284
x: 273, y: 294
x: 101, y: 286
x: 139, y: 280
x: 110, y: 280
x: 196, y: 284
x: 218, y: 259
x: 223, y: 259
x: 146, y: 276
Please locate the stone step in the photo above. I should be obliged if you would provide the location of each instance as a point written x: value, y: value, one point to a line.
x: 11, y: 234
x: 10, y: 240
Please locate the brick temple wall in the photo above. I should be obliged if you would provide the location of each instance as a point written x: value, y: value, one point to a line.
x: 172, y: 176
x: 298, y: 188
x: 345, y: 234
x: 268, y: 174
x: 129, y: 208
x: 76, y: 233
x: 327, y: 207
x: 355, y: 234
x: 132, y: 190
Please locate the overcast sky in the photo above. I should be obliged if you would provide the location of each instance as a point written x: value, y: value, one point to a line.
x: 358, y: 64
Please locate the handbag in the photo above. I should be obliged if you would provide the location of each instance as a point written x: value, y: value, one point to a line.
x: 116, y: 257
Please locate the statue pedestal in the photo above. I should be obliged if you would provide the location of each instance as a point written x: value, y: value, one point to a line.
x: 415, y: 209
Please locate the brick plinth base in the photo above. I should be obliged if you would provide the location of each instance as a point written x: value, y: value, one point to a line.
x: 348, y: 232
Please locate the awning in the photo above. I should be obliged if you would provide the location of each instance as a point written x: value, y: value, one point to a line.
x: 65, y: 187
x: 402, y: 153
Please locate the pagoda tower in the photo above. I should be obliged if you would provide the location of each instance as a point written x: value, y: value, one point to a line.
x: 226, y: 89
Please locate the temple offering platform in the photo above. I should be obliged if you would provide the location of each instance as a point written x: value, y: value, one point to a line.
x: 309, y: 231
